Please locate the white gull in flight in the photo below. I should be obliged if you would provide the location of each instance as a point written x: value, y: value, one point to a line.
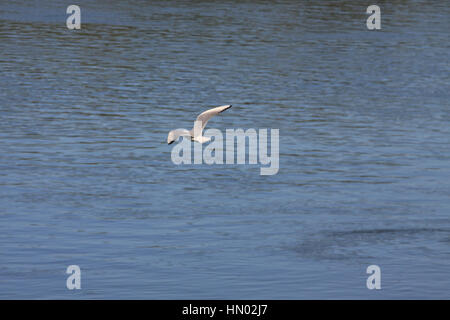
x: 199, y: 125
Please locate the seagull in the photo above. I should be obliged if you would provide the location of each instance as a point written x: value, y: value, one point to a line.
x: 196, y: 133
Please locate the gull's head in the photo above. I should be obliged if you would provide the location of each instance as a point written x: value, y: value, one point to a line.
x: 170, y: 138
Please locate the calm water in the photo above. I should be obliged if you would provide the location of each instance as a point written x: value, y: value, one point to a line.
x: 86, y: 176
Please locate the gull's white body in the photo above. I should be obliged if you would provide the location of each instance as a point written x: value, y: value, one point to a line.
x: 196, y: 132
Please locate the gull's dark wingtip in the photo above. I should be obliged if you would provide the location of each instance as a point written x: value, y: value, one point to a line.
x: 229, y: 106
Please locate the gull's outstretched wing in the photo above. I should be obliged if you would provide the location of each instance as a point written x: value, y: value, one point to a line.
x: 174, y: 134
x: 203, y: 118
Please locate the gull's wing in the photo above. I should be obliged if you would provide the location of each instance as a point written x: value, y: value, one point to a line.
x: 174, y: 134
x: 203, y: 118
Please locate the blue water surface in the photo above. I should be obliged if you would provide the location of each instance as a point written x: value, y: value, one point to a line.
x: 86, y: 176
